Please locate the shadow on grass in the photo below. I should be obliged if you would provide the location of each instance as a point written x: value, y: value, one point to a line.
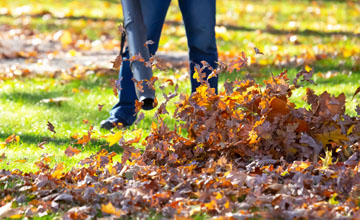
x: 272, y: 31
x: 92, y: 146
x: 59, y: 90
x: 36, y: 139
x: 262, y: 72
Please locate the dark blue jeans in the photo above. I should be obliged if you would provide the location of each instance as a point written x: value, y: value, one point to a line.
x: 199, y: 21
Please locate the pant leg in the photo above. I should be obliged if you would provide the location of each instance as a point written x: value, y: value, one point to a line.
x: 200, y: 19
x: 154, y: 12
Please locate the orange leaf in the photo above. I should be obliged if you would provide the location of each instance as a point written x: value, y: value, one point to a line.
x: 58, y: 171
x: 110, y: 209
x: 16, y: 216
x: 20, y: 161
x: 278, y: 107
x: 211, y: 205
x: 70, y: 151
x: 138, y: 106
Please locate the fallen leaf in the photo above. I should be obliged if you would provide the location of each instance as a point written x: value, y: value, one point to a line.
x: 70, y: 151
x: 58, y: 171
x: 110, y: 209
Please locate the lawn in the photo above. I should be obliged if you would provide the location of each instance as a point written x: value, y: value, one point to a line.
x: 281, y: 30
x: 320, y: 35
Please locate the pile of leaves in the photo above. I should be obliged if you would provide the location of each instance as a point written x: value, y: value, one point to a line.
x: 248, y: 153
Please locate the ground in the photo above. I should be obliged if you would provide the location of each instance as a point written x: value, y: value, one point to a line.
x: 56, y: 66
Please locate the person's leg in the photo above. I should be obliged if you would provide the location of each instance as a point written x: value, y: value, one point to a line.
x: 199, y: 20
x: 154, y: 13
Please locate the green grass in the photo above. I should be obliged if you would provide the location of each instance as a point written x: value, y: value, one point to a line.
x: 264, y: 24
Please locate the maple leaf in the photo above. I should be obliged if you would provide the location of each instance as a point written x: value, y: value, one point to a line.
x: 51, y: 127
x: 70, y: 151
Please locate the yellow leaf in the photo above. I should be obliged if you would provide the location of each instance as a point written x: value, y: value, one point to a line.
x: 153, y: 126
x: 16, y: 216
x: 20, y: 161
x: 111, y: 169
x: 211, y: 205
x: 66, y: 38
x: 253, y: 137
x: 332, y: 200
x: 110, y: 209
x: 58, y: 172
x: 304, y: 165
x: 196, y: 75
x: 72, y: 52
x: 74, y: 90
x: 17, y: 138
x: 114, y: 138
x: 335, y: 136
x: 350, y: 130
x: 2, y: 144
x: 227, y: 205
x: 218, y: 196
x: 347, y: 53
x: 308, y: 68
